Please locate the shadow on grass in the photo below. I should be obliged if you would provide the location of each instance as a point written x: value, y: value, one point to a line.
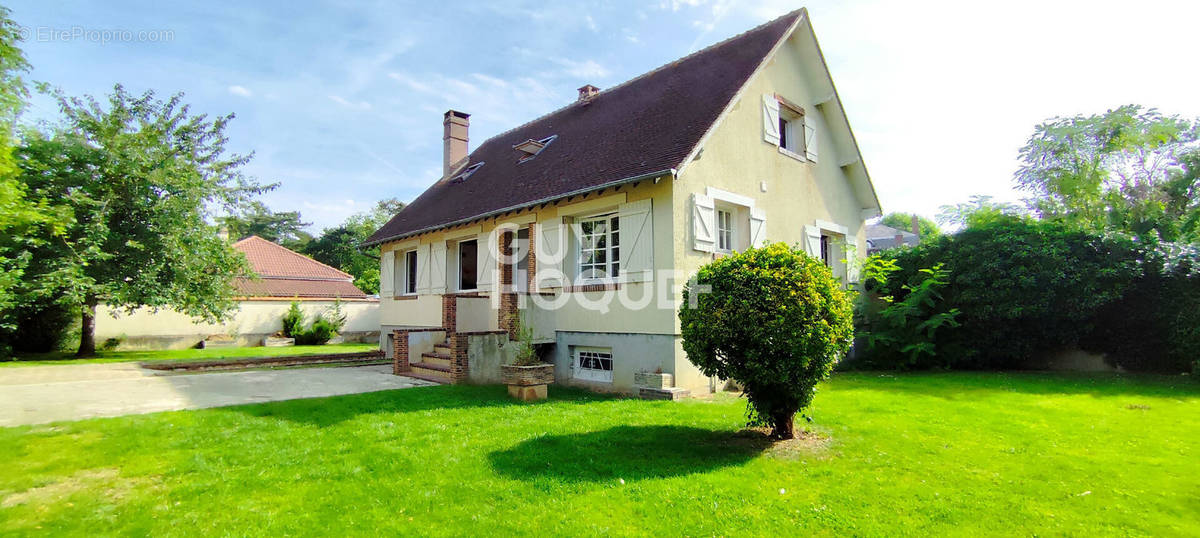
x: 967, y: 384
x: 626, y: 452
x: 333, y: 410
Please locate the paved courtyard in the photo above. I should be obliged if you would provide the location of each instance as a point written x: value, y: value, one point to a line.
x: 39, y: 394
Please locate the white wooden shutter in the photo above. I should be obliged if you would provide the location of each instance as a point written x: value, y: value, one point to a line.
x: 399, y: 273
x: 810, y: 142
x: 551, y: 253
x: 487, y: 266
x: 704, y: 223
x: 437, y: 267
x: 423, y: 282
x: 770, y: 119
x: 387, y: 266
x: 812, y: 241
x: 758, y: 227
x: 637, y: 241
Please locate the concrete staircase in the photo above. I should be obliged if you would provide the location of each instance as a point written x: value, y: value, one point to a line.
x: 434, y: 366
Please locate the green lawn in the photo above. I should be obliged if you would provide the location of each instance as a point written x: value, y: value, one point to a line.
x: 67, y: 357
x: 925, y: 454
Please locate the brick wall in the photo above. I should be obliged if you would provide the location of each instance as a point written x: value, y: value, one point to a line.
x: 400, y: 352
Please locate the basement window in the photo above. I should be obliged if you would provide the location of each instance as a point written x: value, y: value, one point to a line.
x: 531, y: 148
x: 594, y: 364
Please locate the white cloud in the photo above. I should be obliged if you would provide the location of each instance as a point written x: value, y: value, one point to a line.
x: 240, y: 91
x: 359, y: 105
x: 591, y: 23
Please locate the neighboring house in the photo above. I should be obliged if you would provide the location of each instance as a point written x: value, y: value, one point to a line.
x: 284, y: 276
x: 614, y: 201
x: 882, y: 237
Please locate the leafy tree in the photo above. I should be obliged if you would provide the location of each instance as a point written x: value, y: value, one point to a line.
x: 339, y: 246
x: 903, y: 221
x: 773, y: 319
x: 142, y: 178
x: 1109, y: 171
x: 20, y: 215
x: 978, y: 211
x: 284, y: 227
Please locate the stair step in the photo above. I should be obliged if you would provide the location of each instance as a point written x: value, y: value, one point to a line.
x: 426, y: 377
x: 431, y: 366
x: 436, y: 358
x: 443, y: 347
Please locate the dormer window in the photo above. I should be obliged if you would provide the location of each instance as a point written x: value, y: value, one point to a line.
x: 530, y: 148
x: 466, y: 173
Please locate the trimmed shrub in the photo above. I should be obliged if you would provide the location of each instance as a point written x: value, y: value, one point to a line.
x: 1022, y: 287
x: 772, y: 319
x: 1155, y: 326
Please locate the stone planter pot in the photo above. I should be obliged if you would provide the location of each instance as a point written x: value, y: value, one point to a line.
x: 653, y: 381
x: 527, y: 383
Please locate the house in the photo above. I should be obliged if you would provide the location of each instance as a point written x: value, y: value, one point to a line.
x: 585, y: 223
x: 881, y: 237
x: 283, y: 276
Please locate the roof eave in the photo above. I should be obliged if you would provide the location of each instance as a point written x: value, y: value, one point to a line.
x: 524, y: 205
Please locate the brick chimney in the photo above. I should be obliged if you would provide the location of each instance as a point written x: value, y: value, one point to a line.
x: 588, y: 92
x: 454, y: 140
x: 899, y: 239
x: 916, y: 224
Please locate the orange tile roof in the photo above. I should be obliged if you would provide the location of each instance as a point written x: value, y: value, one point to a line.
x: 285, y: 273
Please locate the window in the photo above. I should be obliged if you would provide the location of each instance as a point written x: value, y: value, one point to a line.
x: 599, y: 242
x: 826, y: 250
x: 594, y: 364
x: 724, y: 230
x: 791, y: 131
x: 468, y: 262
x: 410, y: 273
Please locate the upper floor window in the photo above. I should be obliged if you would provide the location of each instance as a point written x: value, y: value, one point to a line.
x: 791, y: 131
x: 599, y: 247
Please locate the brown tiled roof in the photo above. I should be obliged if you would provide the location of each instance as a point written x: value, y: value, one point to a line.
x: 285, y: 273
x: 271, y: 260
x: 647, y: 125
x: 290, y: 287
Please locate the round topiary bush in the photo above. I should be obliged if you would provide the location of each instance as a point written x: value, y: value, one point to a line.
x: 772, y: 319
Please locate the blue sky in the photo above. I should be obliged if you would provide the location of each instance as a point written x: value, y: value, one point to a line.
x: 342, y: 101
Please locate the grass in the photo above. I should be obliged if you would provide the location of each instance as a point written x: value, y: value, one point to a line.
x: 68, y: 357
x: 959, y: 454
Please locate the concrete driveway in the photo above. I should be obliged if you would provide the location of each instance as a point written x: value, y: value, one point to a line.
x: 39, y: 394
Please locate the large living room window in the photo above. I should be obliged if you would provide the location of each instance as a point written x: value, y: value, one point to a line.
x: 468, y: 265
x: 594, y: 364
x: 599, y: 242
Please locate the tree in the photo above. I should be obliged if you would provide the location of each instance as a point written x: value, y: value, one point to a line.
x: 903, y: 221
x: 284, y: 227
x: 773, y: 319
x: 142, y: 177
x: 20, y: 216
x: 339, y: 246
x: 980, y: 210
x: 1108, y: 171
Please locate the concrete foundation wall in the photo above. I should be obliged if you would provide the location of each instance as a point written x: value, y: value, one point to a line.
x: 253, y: 321
x: 632, y: 353
x: 485, y: 354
